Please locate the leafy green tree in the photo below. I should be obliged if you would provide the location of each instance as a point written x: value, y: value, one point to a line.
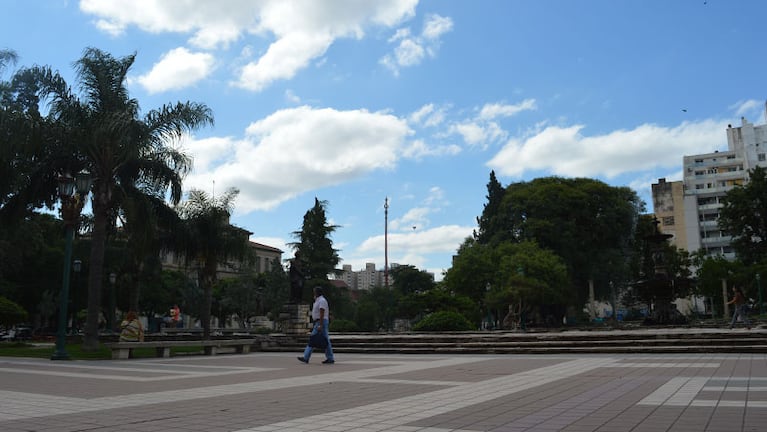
x: 661, y: 272
x: 581, y: 220
x: 316, y: 247
x: 276, y: 289
x: 712, y: 271
x: 407, y: 279
x: 126, y: 155
x: 530, y: 278
x: 167, y: 288
x: 493, y: 228
x: 207, y: 241
x: 27, y: 246
x: 30, y: 155
x: 473, y: 270
x: 744, y: 217
x: 377, y: 308
x: 419, y: 304
x: 242, y: 296
x: 11, y: 313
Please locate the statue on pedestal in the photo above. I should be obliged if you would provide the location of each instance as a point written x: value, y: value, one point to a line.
x: 296, y: 279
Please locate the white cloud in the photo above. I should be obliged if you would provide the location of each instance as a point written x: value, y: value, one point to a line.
x: 446, y: 238
x: 436, y: 26
x: 412, y: 49
x: 302, y: 30
x: 291, y: 97
x: 566, y: 151
x: 748, y: 108
x: 177, y: 69
x: 418, y: 149
x: 411, y: 248
x: 428, y: 116
x: 210, y: 25
x: 297, y: 150
x: 413, y: 219
x: 495, y: 110
x: 482, y: 130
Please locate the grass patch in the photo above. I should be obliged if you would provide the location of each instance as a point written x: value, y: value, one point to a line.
x: 75, y: 351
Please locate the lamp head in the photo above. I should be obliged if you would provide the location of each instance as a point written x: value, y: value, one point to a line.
x: 66, y: 185
x: 83, y: 181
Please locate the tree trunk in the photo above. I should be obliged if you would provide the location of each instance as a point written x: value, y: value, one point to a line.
x: 207, y: 302
x: 95, y: 275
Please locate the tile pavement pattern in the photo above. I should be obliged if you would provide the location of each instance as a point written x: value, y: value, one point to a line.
x: 262, y: 392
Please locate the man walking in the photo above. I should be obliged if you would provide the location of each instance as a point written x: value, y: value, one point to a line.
x: 321, y: 317
x: 739, y: 300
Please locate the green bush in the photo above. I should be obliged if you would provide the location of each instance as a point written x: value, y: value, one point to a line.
x: 343, y: 326
x: 11, y: 313
x: 444, y: 321
x: 262, y: 330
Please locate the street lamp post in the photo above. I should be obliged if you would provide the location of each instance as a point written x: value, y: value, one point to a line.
x: 77, y: 265
x: 72, y: 192
x: 112, y: 302
x: 759, y: 287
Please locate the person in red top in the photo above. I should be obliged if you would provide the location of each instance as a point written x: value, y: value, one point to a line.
x: 175, y: 316
x: 739, y: 300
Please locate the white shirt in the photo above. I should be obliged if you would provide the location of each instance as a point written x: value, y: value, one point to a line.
x: 320, y: 303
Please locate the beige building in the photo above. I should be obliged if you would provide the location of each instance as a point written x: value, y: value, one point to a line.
x: 668, y: 202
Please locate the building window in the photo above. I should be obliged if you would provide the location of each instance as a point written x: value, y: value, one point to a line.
x: 668, y: 220
x: 760, y: 156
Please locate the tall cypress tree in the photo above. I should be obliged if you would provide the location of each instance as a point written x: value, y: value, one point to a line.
x: 491, y: 222
x: 315, y: 246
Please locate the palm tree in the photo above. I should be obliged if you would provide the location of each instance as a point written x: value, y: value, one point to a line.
x: 128, y: 156
x: 208, y: 241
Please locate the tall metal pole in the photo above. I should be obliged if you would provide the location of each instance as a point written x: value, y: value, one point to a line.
x: 386, y: 243
x: 61, y: 332
x: 759, y: 287
x: 112, y: 303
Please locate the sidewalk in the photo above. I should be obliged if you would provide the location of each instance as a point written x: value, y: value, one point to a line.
x: 401, y: 393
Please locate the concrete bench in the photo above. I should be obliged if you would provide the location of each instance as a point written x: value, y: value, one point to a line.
x: 121, y: 350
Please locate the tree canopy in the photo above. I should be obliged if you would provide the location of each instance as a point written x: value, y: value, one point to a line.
x: 744, y: 217
x: 315, y: 246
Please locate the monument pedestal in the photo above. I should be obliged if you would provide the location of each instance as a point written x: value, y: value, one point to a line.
x: 295, y: 319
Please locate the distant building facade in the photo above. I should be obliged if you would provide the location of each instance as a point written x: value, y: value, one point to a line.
x: 265, y: 258
x: 367, y: 278
x: 692, y: 215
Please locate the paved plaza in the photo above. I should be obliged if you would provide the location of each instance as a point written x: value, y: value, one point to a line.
x: 401, y: 393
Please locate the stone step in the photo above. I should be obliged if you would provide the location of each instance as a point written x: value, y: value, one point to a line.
x: 683, y: 340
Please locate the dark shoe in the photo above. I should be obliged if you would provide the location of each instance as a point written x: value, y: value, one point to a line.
x: 302, y: 360
x: 328, y: 361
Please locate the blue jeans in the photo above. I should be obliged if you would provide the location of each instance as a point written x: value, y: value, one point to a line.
x: 329, y: 350
x: 740, y: 310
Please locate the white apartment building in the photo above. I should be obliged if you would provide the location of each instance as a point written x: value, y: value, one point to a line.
x: 366, y: 278
x: 707, y: 178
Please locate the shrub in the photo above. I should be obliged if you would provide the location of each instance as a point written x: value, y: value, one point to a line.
x: 262, y: 330
x: 444, y: 321
x: 11, y: 313
x: 343, y: 326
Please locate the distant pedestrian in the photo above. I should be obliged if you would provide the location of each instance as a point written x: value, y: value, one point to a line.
x: 132, y: 330
x: 739, y: 300
x: 321, y: 317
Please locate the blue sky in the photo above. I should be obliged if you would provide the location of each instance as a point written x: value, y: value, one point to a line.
x: 353, y: 101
